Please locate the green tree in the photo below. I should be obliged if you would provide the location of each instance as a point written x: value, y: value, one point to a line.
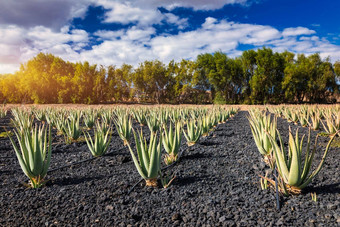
x: 84, y: 82
x: 248, y: 60
x: 150, y: 81
x: 180, y: 78
x: 266, y: 82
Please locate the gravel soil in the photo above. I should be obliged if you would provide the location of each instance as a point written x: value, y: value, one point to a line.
x: 217, y: 184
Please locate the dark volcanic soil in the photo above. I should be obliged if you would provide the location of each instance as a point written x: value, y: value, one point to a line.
x: 217, y: 184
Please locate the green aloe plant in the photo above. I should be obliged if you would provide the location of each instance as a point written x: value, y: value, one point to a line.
x: 262, y: 126
x: 40, y: 114
x: 193, y: 132
x: 22, y: 119
x: 148, y: 158
x: 206, y: 125
x: 304, y: 118
x: 72, y: 130
x: 295, y: 175
x: 332, y: 122
x: 34, y: 153
x: 171, y: 140
x: 89, y: 118
x: 99, y: 145
x: 315, y: 117
x: 140, y: 116
x: 153, y: 122
x: 123, y: 125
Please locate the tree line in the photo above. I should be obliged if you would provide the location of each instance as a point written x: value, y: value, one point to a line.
x: 255, y: 77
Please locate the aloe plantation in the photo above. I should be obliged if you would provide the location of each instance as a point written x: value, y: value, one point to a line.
x: 119, y: 165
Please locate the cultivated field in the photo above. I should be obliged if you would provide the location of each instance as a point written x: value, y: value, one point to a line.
x: 169, y: 165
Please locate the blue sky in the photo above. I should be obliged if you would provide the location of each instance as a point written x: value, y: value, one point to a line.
x: 113, y: 32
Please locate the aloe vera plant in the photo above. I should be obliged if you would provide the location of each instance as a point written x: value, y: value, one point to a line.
x: 206, y: 125
x: 295, y: 175
x: 171, y: 140
x: 153, y: 122
x: 193, y: 132
x: 102, y: 127
x: 315, y: 117
x: 99, y: 145
x: 262, y: 126
x: 106, y: 116
x: 72, y: 128
x: 140, y: 116
x: 148, y: 158
x: 22, y: 119
x: 89, y: 119
x: 332, y: 122
x: 34, y: 153
x: 123, y: 125
x: 39, y: 114
x: 303, y: 118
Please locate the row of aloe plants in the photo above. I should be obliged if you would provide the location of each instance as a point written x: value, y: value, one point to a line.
x: 311, y: 116
x: 166, y: 126
x: 294, y: 166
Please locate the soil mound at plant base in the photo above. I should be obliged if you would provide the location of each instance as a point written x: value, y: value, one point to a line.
x: 217, y: 183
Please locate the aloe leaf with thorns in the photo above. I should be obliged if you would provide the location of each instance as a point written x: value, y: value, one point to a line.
x: 171, y: 140
x: 34, y: 153
x: 148, y: 157
x: 193, y: 132
x: 294, y: 173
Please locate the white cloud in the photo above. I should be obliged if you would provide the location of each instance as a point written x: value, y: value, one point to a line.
x: 297, y: 31
x: 110, y: 35
x: 48, y: 13
x: 125, y: 12
x: 199, y: 4
x: 19, y: 44
x: 181, y: 23
x: 146, y: 12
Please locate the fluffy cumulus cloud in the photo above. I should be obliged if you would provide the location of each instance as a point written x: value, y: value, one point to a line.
x: 21, y: 38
